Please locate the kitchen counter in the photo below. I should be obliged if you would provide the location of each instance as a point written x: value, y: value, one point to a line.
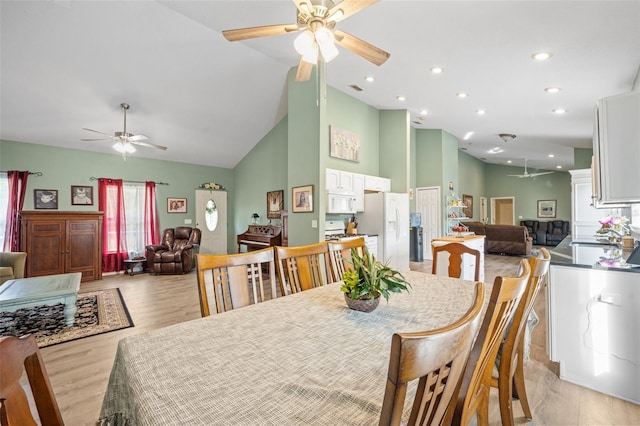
x: 588, y: 253
x: 593, y: 313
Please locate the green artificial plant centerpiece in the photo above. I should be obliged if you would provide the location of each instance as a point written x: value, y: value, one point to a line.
x: 369, y: 278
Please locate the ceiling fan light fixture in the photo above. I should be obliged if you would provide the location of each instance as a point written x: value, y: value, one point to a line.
x: 328, y: 50
x: 124, y: 147
x: 304, y: 42
x: 311, y: 54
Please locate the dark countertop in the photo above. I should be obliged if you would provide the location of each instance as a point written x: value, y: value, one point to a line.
x: 589, y: 254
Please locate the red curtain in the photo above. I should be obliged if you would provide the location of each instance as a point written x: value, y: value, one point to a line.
x: 114, y: 241
x: 17, y: 191
x: 151, y: 222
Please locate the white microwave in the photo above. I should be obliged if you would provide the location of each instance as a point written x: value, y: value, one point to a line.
x: 341, y: 202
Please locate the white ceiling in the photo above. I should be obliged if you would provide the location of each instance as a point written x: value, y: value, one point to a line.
x: 69, y: 64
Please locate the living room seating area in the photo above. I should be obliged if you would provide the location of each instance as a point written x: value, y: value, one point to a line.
x: 547, y: 233
x: 503, y: 239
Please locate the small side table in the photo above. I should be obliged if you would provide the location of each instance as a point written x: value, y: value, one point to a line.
x: 130, y: 264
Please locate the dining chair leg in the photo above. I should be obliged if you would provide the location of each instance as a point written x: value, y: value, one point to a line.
x: 505, y: 391
x: 520, y: 390
x: 483, y: 411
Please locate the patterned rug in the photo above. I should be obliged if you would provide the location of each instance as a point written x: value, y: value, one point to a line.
x: 98, y: 312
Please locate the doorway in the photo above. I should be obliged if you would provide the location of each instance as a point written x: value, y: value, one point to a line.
x: 211, y: 219
x: 428, y: 204
x: 502, y: 211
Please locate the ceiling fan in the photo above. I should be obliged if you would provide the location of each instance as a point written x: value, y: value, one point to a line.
x: 526, y: 174
x: 124, y: 141
x: 317, y: 19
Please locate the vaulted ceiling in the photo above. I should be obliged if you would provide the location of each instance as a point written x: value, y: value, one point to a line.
x: 68, y: 64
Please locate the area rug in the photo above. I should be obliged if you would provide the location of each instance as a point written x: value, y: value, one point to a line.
x: 98, y: 312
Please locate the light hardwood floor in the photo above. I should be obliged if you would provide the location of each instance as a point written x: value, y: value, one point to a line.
x: 79, y: 370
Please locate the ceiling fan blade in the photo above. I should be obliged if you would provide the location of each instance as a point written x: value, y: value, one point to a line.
x: 96, y: 139
x: 519, y: 176
x: 360, y: 47
x: 348, y: 8
x: 255, y: 32
x: 304, y: 71
x: 96, y: 131
x: 539, y: 174
x: 135, y: 138
x: 304, y: 6
x: 147, y: 144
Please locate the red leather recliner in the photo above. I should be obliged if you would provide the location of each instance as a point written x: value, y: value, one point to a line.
x: 177, y: 253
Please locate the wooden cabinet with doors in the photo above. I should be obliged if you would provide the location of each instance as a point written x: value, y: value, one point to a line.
x: 62, y: 242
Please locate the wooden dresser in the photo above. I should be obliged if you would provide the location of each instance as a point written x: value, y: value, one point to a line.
x: 62, y: 242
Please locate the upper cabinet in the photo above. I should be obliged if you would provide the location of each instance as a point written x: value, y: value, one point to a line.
x: 377, y: 184
x: 616, y: 149
x: 339, y: 180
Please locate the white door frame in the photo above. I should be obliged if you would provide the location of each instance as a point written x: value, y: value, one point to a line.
x: 493, y: 208
x: 434, y: 229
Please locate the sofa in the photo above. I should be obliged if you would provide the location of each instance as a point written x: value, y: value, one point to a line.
x: 177, y: 253
x: 503, y: 239
x: 547, y: 233
x: 12, y: 265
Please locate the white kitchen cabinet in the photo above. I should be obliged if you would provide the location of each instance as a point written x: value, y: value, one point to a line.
x: 616, y: 149
x: 377, y: 184
x: 468, y: 265
x: 338, y: 180
x: 358, y: 191
x: 593, y: 328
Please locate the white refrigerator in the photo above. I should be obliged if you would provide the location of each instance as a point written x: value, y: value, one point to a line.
x: 386, y: 214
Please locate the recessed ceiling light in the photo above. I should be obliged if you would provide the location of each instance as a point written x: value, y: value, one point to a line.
x: 436, y: 70
x: 462, y: 94
x: 541, y: 56
x: 481, y: 112
x: 552, y: 89
x: 400, y: 98
x: 559, y: 110
x: 558, y: 167
x: 509, y: 161
x: 551, y: 155
x: 467, y: 136
x: 496, y: 150
x: 424, y: 112
x: 370, y: 79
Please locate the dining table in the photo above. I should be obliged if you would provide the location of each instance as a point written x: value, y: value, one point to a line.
x: 301, y: 359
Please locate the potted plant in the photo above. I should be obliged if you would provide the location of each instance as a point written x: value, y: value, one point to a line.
x: 368, y: 280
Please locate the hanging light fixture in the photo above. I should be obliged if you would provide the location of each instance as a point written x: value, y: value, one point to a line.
x: 317, y: 39
x: 124, y: 147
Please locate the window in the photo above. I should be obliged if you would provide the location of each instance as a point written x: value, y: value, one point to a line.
x: 133, y: 194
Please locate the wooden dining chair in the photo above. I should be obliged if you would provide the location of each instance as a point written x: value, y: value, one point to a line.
x: 303, y: 267
x: 455, y: 251
x: 510, y: 379
x: 474, y: 394
x: 17, y: 356
x: 340, y: 255
x: 236, y: 280
x: 438, y: 359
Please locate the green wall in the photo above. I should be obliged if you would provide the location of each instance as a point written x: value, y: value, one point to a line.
x: 582, y: 158
x: 471, y: 180
x: 62, y: 168
x: 395, y: 148
x: 262, y: 170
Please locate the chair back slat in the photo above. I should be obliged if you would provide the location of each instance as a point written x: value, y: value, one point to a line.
x: 235, y: 280
x: 435, y: 358
x: 340, y: 255
x: 303, y: 267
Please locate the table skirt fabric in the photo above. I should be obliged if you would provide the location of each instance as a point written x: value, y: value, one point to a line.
x: 303, y: 359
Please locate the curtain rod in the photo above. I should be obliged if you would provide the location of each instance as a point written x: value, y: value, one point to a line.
x: 133, y: 181
x: 31, y: 173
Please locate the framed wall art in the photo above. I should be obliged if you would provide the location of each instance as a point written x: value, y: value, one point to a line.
x: 344, y: 144
x: 81, y: 195
x: 302, y: 199
x: 45, y: 199
x: 467, y: 201
x: 275, y: 203
x: 547, y: 208
x: 176, y: 205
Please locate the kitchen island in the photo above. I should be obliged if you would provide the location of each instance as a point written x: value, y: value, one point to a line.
x: 594, y: 317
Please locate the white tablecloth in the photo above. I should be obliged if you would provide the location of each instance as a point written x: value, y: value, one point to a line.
x: 303, y: 359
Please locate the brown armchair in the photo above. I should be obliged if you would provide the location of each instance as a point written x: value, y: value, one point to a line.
x: 177, y: 253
